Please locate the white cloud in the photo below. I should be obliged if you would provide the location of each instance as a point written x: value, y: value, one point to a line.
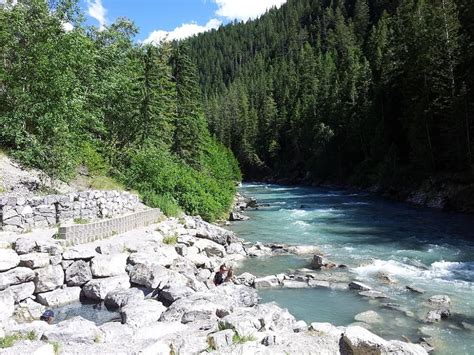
x: 97, y: 11
x: 245, y: 9
x: 184, y: 31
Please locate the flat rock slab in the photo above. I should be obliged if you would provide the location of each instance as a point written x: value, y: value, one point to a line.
x: 373, y: 294
x: 59, y: 297
x: 266, y: 282
x: 34, y: 260
x: 8, y: 259
x: 76, y: 329
x: 85, y: 253
x: 369, y: 317
x: 22, y: 291
x: 7, y: 304
x: 16, y: 276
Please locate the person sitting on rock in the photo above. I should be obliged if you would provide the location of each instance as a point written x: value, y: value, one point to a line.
x: 47, y: 316
x: 230, y: 275
x: 219, y: 277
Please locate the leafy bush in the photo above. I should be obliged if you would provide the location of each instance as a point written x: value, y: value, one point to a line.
x: 163, y: 180
x: 170, y: 239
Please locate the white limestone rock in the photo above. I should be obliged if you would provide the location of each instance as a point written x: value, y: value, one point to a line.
x: 8, y: 259
x: 109, y: 265
x: 34, y: 260
x: 7, y: 304
x: 267, y: 282
x: 16, y: 276
x: 78, y: 273
x: 77, y: 329
x: 141, y: 314
x: 120, y: 298
x: 22, y: 291
x: 97, y: 289
x: 59, y: 297
x: 48, y: 278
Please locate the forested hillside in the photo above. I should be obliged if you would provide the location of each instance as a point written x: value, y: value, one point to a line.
x: 94, y: 99
x: 359, y: 91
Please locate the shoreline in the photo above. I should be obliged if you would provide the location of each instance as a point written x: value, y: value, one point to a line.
x: 448, y: 194
x: 175, y: 292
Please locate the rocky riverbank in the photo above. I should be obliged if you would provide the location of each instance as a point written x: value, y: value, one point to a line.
x: 160, y: 279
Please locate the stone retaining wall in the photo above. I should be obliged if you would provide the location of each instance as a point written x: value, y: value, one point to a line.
x: 23, y: 213
x: 86, y: 233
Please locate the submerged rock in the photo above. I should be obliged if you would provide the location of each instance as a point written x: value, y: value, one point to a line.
x: 356, y: 285
x: 369, y: 317
x: 415, y: 289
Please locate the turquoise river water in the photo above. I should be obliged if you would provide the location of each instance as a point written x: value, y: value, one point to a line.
x: 416, y: 246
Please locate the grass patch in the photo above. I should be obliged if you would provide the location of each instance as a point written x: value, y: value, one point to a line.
x: 80, y: 221
x: 31, y: 335
x: 165, y: 203
x: 237, y: 339
x: 9, y: 340
x: 170, y: 239
x: 56, y: 347
x: 105, y: 183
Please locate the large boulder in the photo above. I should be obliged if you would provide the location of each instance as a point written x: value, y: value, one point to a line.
x: 48, y: 278
x: 77, y: 330
x: 109, y: 265
x: 25, y: 245
x: 246, y: 279
x: 59, y: 297
x: 210, y: 248
x: 141, y: 314
x: 216, y: 234
x: 120, y: 298
x: 34, y: 260
x: 98, y: 289
x: 154, y: 276
x: 7, y: 304
x: 439, y: 301
x: 266, y: 282
x: 244, y: 325
x: 16, y: 276
x: 359, y: 341
x: 8, y: 259
x: 78, y: 273
x: 22, y: 291
x: 28, y: 311
x: 173, y: 292
x: 115, y: 332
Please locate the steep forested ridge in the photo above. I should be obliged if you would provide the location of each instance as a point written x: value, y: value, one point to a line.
x: 94, y: 99
x: 366, y: 91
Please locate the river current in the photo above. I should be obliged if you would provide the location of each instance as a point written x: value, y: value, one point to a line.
x: 429, y: 249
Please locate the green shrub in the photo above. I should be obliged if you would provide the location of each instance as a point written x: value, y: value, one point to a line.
x: 170, y: 239
x: 166, y: 203
x: 238, y: 339
x: 9, y: 340
x: 95, y: 163
x: 81, y: 221
x: 165, y: 181
x: 105, y: 183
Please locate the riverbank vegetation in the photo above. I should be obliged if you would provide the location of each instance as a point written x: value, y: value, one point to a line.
x: 73, y: 96
x: 363, y: 91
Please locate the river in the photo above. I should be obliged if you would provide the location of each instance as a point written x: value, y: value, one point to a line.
x: 417, y: 246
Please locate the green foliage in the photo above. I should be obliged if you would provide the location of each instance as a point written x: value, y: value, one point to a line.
x: 198, y: 192
x: 81, y: 221
x: 56, y: 347
x: 331, y: 89
x: 238, y: 339
x: 94, y: 98
x: 166, y: 203
x: 9, y: 340
x: 170, y: 239
x: 105, y: 183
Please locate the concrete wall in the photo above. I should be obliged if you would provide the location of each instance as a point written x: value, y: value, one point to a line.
x: 20, y: 213
x: 86, y: 233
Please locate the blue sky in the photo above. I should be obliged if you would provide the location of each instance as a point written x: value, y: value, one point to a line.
x: 174, y: 19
